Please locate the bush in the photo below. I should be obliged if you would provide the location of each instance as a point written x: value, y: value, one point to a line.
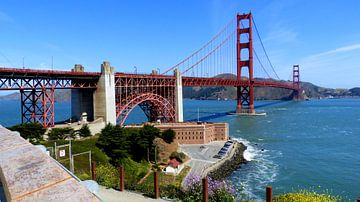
x: 114, y: 141
x: 119, y: 143
x: 61, y: 133
x: 84, y: 131
x: 218, y: 190
x: 33, y: 132
x: 178, y: 156
x: 168, y: 136
x: 107, y: 175
x: 306, y: 196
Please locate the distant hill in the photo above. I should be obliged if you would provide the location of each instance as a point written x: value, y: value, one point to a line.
x: 60, y: 95
x: 355, y: 91
x: 266, y: 93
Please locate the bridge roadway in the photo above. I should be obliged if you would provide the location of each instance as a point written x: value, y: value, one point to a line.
x: 16, y: 79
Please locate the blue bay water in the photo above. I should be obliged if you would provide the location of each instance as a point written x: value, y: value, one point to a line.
x: 314, y: 144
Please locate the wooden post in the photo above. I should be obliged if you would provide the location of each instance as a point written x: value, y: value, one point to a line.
x: 205, y: 189
x: 121, y: 178
x: 93, y: 170
x: 269, y: 194
x: 156, y: 185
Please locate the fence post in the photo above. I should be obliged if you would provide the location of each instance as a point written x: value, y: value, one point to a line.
x: 93, y: 170
x: 268, y: 194
x: 121, y: 178
x: 205, y: 189
x: 156, y: 184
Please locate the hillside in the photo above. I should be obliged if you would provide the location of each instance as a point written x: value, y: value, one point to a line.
x: 266, y: 93
x: 60, y: 95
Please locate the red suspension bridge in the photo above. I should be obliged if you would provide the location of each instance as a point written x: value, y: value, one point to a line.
x: 112, y: 96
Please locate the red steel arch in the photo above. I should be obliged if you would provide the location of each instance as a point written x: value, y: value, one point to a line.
x: 160, y: 108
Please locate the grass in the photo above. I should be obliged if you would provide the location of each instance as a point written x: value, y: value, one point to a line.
x: 169, y: 184
x: 81, y: 163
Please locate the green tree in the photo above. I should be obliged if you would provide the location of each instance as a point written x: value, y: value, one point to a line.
x: 84, y: 131
x: 33, y: 132
x: 114, y: 141
x: 61, y: 133
x: 168, y: 136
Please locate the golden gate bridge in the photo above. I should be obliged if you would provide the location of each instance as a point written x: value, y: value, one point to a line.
x: 113, y: 95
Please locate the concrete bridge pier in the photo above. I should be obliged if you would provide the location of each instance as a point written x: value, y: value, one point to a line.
x: 104, y: 96
x: 178, y: 97
x: 99, y: 103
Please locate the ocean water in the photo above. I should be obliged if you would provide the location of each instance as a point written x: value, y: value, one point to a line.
x: 311, y: 144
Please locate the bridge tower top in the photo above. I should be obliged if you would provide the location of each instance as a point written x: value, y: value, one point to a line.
x: 296, y: 80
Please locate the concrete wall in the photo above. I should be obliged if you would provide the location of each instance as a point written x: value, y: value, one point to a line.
x: 28, y: 174
x: 104, y: 96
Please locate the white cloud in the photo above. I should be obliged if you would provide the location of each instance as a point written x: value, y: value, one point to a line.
x: 338, y: 67
x: 337, y: 50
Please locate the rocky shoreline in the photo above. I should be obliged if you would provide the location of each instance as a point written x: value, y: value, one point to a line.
x: 229, y: 164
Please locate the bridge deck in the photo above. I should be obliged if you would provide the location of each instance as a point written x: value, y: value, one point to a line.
x: 27, y: 174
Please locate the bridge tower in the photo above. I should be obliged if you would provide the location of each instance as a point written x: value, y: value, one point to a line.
x: 245, y: 94
x: 296, y: 81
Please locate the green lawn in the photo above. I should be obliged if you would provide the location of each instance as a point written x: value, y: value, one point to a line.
x: 81, y: 163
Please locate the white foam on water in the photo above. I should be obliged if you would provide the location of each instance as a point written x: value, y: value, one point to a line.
x: 258, y: 173
x: 250, y: 152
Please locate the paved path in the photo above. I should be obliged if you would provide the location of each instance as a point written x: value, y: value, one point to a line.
x: 201, y: 155
x: 110, y: 195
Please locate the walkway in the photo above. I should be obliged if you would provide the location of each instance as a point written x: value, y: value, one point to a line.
x: 201, y: 155
x: 28, y: 174
x: 125, y: 196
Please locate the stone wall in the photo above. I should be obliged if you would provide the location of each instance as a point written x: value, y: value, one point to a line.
x: 226, y: 166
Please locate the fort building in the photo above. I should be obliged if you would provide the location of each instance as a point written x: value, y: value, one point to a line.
x: 194, y: 132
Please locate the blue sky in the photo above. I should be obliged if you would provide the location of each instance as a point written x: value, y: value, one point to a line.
x: 322, y: 36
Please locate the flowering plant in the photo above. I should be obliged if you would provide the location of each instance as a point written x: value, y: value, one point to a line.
x: 218, y: 190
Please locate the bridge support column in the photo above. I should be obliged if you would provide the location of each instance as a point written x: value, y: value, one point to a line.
x: 81, y: 100
x: 178, y: 97
x: 104, y: 96
x: 37, y: 106
x: 245, y: 94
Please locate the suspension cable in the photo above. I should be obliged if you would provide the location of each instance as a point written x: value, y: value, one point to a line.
x: 203, y: 47
x: 257, y: 32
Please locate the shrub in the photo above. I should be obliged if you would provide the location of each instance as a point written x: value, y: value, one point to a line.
x: 114, y: 141
x: 168, y: 136
x: 34, y: 132
x: 119, y: 143
x: 107, y: 175
x: 84, y: 131
x: 61, y: 133
x: 170, y: 191
x: 178, y: 156
x: 218, y: 190
x: 306, y: 196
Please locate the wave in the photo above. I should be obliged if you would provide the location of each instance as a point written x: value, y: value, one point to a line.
x: 258, y: 173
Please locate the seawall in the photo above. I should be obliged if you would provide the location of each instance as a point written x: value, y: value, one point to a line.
x: 227, y: 165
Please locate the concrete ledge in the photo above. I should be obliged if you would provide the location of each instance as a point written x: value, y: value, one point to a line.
x: 27, y: 174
